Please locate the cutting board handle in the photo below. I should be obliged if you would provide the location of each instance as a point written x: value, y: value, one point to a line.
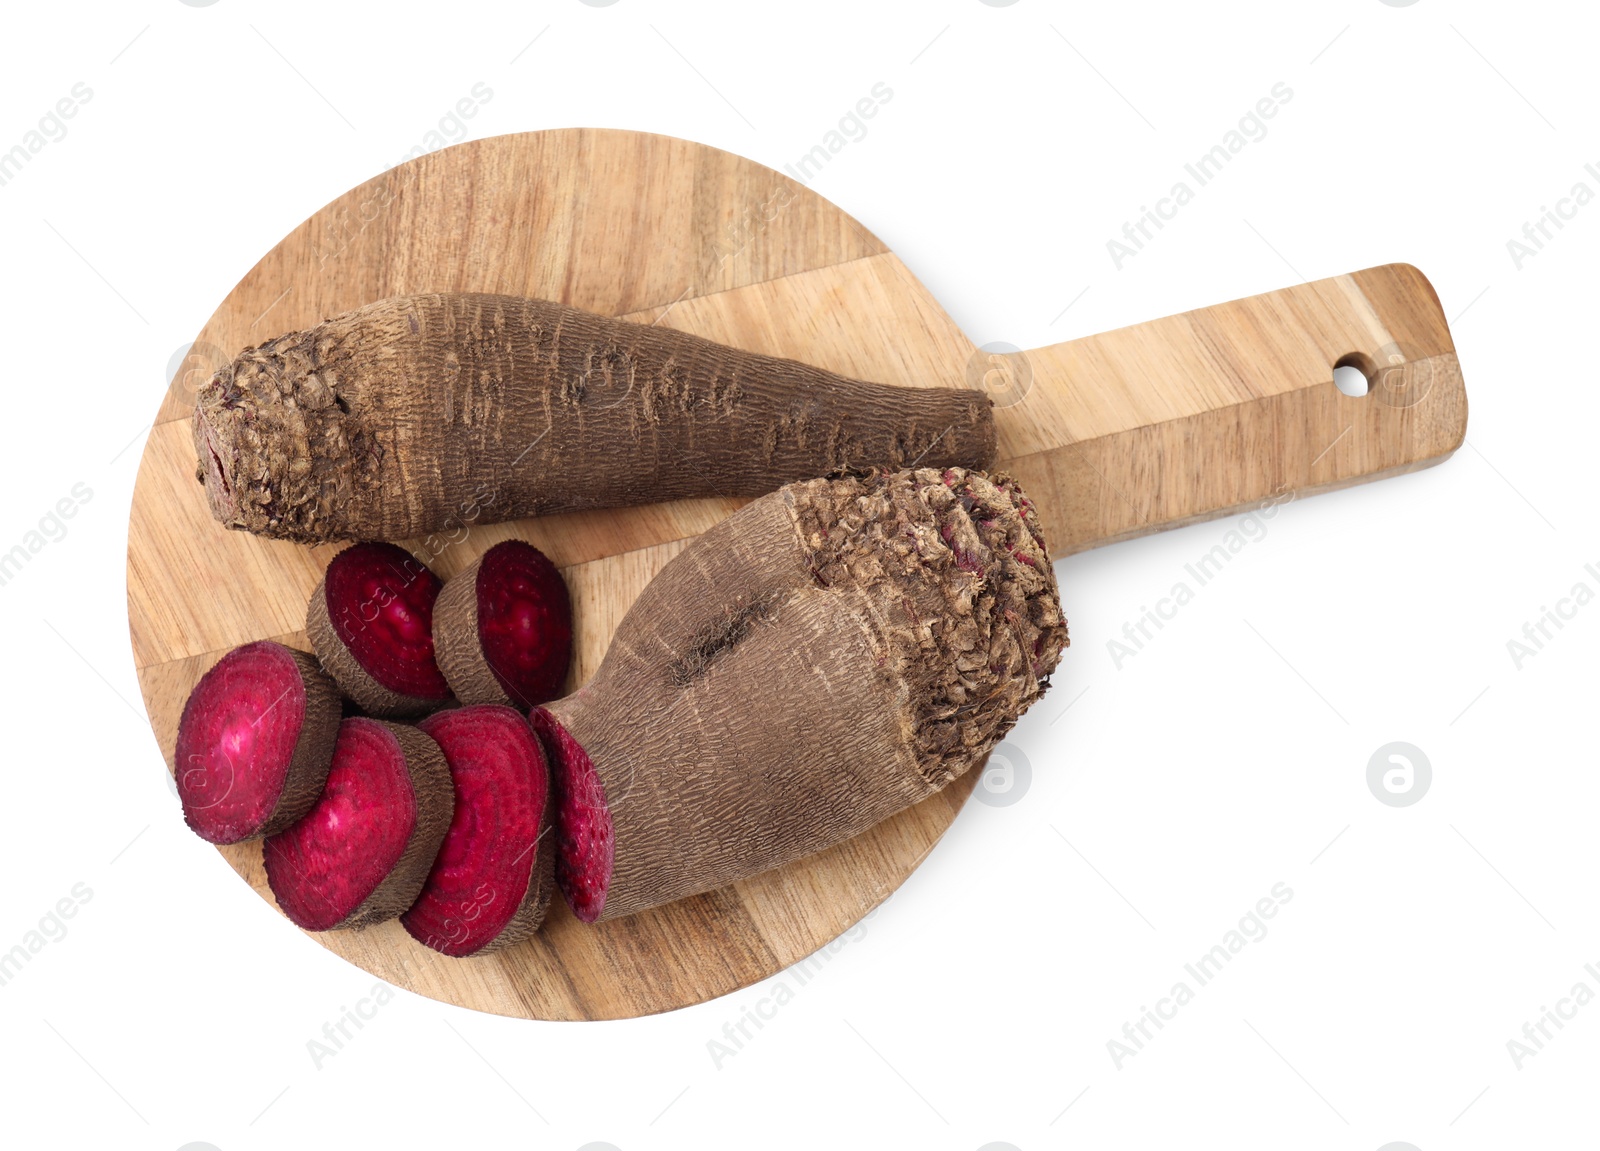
x: 1220, y: 410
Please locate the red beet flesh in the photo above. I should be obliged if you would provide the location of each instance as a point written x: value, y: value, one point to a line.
x: 237, y: 740
x: 325, y: 866
x: 380, y: 599
x: 482, y: 874
x: 585, y: 841
x: 524, y: 621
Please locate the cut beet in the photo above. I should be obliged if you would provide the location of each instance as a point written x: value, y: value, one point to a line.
x: 585, y: 840
x: 492, y: 879
x: 503, y: 628
x: 254, y: 742
x: 806, y: 668
x: 371, y: 623
x: 362, y: 854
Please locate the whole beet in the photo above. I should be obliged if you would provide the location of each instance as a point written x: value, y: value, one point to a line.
x: 423, y: 413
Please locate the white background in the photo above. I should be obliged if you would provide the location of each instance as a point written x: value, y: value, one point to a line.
x: 1228, y: 756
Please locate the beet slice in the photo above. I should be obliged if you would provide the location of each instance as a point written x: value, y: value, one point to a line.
x: 255, y: 742
x: 371, y: 623
x: 492, y: 879
x: 362, y: 854
x: 503, y: 628
x: 585, y: 840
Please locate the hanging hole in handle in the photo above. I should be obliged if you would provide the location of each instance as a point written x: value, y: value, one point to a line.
x: 1352, y: 374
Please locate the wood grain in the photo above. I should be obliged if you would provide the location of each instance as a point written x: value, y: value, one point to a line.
x: 1115, y: 435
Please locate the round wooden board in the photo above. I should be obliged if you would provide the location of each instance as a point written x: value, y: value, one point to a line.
x: 648, y: 227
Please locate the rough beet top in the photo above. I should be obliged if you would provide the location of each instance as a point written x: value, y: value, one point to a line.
x: 823, y: 658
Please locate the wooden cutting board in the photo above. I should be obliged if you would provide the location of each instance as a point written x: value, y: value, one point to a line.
x: 1117, y: 435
